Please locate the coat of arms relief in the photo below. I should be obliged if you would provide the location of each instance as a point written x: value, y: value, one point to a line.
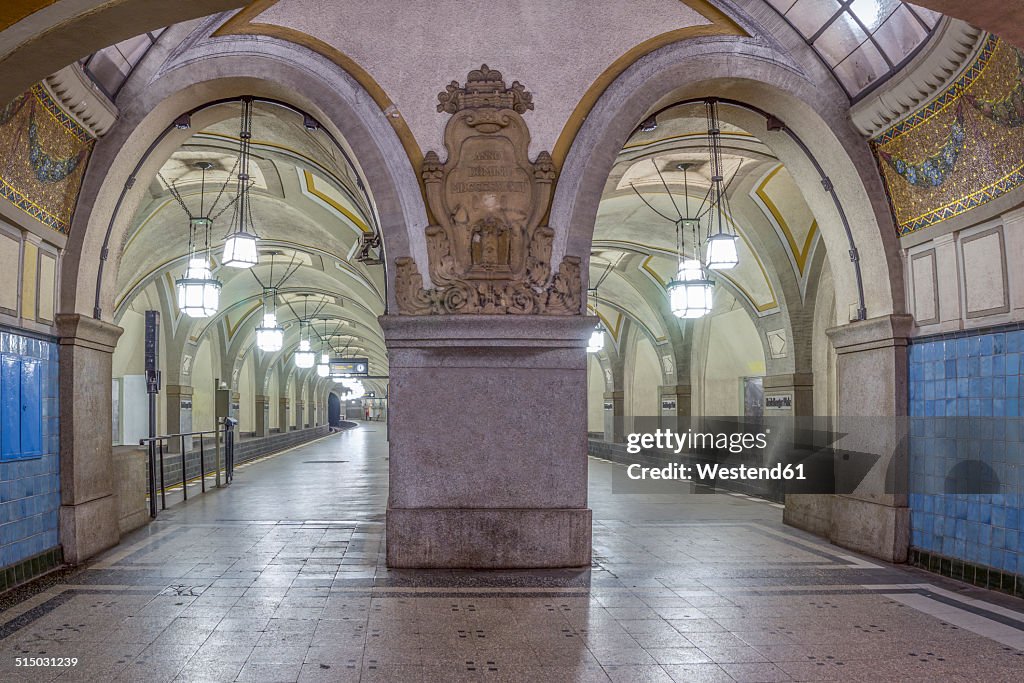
x: 488, y: 252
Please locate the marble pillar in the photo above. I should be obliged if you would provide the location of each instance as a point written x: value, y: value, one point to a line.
x: 179, y: 415
x: 675, y: 401
x: 282, y: 414
x: 300, y: 412
x: 793, y: 394
x: 488, y: 443
x: 871, y: 372
x: 614, y: 416
x: 262, y: 415
x: 89, y: 513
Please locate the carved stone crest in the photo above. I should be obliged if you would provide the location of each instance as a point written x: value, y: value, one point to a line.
x: 488, y: 252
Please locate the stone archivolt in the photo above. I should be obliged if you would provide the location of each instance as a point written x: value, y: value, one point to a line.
x: 488, y: 252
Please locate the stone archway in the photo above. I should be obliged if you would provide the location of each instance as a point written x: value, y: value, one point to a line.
x: 874, y: 518
x: 110, y: 195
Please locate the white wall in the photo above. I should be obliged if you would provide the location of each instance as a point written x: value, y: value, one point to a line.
x: 595, y: 395
x: 246, y: 402
x: 274, y: 396
x: 733, y: 351
x: 203, y: 397
x: 642, y: 377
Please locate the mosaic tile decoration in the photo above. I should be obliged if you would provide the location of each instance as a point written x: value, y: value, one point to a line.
x: 30, y: 488
x: 963, y: 149
x: 44, y: 152
x: 967, y: 448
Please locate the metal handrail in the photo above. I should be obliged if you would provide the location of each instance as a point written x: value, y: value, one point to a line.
x: 156, y: 446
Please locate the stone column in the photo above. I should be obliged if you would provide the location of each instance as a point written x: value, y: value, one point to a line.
x: 488, y: 444
x: 179, y: 414
x: 282, y: 414
x: 871, y: 372
x: 89, y: 509
x: 678, y: 394
x: 614, y: 412
x: 300, y: 406
x: 793, y: 394
x: 262, y: 415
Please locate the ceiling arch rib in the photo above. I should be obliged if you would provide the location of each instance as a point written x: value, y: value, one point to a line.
x: 310, y: 213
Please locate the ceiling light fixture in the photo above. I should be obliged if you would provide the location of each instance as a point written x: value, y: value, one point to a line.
x: 721, y: 252
x: 270, y: 335
x: 240, y: 245
x: 198, y: 291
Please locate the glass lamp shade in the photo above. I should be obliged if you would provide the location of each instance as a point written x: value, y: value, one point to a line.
x: 323, y: 368
x: 198, y: 291
x: 269, y: 337
x: 240, y: 250
x: 690, y: 269
x: 721, y: 252
x: 691, y: 293
x: 304, y: 357
x: 596, y: 342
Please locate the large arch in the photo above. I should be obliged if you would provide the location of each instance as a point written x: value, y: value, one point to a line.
x: 745, y: 70
x: 267, y: 68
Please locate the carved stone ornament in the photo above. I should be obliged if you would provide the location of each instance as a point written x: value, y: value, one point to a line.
x: 488, y: 254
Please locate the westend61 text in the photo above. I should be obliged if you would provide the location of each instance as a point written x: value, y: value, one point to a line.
x: 713, y: 472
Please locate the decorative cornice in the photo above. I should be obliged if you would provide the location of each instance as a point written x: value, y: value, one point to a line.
x: 82, y: 99
x: 953, y: 49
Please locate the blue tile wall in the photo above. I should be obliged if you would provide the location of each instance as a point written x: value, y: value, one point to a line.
x: 30, y: 488
x: 966, y: 444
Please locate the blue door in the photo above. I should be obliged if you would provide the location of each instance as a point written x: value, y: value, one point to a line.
x: 31, y: 408
x: 10, y: 406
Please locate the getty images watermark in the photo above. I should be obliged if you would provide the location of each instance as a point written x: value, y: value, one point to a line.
x: 709, y: 472
x: 773, y: 456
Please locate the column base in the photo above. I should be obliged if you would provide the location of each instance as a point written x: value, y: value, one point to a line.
x: 868, y: 527
x: 875, y: 529
x: 488, y: 538
x: 89, y: 528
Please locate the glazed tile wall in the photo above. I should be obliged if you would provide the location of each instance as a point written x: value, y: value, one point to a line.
x: 30, y: 488
x: 967, y: 440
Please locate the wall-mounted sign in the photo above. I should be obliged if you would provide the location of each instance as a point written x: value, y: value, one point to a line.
x: 350, y: 366
x: 608, y: 405
x: 668, y: 404
x: 779, y: 402
x: 186, y: 405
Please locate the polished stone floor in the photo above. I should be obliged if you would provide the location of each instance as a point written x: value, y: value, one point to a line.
x: 281, y: 578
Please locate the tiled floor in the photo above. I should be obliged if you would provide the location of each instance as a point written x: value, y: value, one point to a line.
x: 281, y: 578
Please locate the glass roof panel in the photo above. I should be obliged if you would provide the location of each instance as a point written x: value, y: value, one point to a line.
x: 110, y: 67
x: 864, y: 42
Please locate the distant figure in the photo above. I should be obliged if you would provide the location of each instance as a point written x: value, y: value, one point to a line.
x: 367, y: 413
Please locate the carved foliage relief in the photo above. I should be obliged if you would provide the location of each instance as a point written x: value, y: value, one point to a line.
x: 488, y: 252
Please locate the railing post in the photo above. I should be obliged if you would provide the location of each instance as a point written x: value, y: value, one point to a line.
x: 202, y: 464
x: 216, y: 442
x: 152, y: 478
x: 184, y: 479
x: 163, y: 483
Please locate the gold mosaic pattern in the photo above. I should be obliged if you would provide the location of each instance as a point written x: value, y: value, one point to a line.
x: 43, y: 154
x: 936, y: 168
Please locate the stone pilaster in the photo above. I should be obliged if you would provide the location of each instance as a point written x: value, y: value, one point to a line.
x: 489, y: 442
x: 300, y: 412
x: 282, y: 414
x: 89, y: 511
x: 179, y: 414
x: 795, y: 390
x: 675, y: 400
x: 871, y: 372
x: 614, y: 416
x: 262, y: 414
